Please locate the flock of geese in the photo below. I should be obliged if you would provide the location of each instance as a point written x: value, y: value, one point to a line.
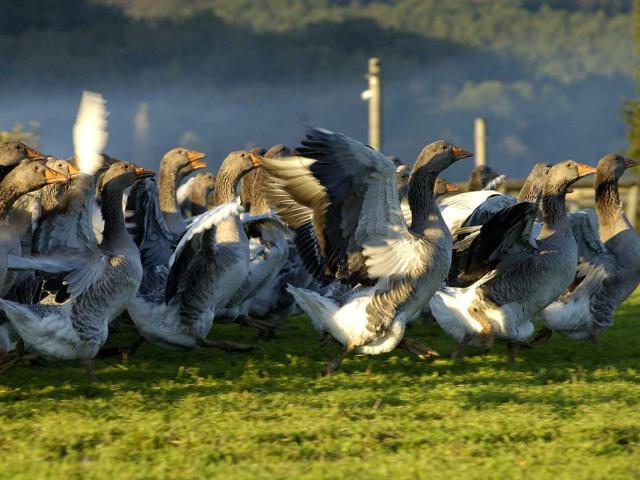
x: 361, y: 243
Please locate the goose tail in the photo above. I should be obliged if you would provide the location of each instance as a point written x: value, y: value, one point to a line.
x: 319, y: 308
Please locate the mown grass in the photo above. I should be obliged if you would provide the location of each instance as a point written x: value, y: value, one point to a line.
x: 566, y: 410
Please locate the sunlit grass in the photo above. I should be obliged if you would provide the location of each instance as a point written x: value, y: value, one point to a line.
x: 566, y: 410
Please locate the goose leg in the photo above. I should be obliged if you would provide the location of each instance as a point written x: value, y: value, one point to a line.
x: 512, y: 351
x: 88, y: 365
x: 9, y: 359
x: 126, y: 352
x: 334, y: 365
x: 542, y: 337
x: 420, y: 350
x: 458, y: 353
x: 267, y: 329
x: 325, y: 339
x: 224, y: 345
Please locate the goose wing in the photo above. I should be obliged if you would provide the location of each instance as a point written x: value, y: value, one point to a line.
x: 472, y: 208
x: 147, y: 224
x: 350, y: 189
x: 595, y: 262
x: 192, y: 243
x: 502, y: 240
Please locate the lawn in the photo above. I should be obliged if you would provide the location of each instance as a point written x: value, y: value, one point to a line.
x: 565, y: 410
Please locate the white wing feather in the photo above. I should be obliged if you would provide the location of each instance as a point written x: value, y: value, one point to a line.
x: 90, y: 132
x: 204, y: 222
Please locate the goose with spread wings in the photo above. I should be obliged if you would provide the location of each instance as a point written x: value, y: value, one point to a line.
x: 609, y: 261
x: 519, y: 273
x: 347, y: 191
x: 176, y: 305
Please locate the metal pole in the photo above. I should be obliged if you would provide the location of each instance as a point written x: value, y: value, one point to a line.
x: 374, y: 97
x: 481, y: 141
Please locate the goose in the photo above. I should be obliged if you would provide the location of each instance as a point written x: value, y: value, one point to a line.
x: 176, y: 307
x: 481, y: 177
x: 470, y: 208
x: 521, y: 275
x: 259, y: 296
x: 609, y: 262
x: 72, y: 323
x: 347, y: 191
x: 153, y: 212
x: 192, y: 194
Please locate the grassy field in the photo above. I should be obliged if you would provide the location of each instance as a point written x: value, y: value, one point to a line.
x: 566, y: 410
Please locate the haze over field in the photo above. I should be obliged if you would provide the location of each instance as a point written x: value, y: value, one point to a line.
x: 218, y: 75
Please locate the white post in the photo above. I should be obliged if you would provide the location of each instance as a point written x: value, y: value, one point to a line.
x: 374, y: 97
x: 141, y: 133
x: 481, y: 141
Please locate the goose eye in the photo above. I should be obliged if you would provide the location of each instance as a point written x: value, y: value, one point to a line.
x: 444, y: 147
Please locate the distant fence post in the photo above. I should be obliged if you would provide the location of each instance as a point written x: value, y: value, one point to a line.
x: 481, y: 141
x: 141, y: 133
x: 374, y: 97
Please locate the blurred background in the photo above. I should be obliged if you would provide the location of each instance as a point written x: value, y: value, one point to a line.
x: 554, y: 79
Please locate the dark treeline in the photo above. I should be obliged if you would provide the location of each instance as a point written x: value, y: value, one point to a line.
x: 222, y: 74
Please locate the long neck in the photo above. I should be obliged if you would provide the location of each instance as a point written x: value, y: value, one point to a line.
x: 611, y: 217
x: 9, y: 193
x: 167, y: 180
x: 554, y: 212
x: 51, y: 195
x: 115, y: 232
x: 225, y: 188
x: 424, y: 210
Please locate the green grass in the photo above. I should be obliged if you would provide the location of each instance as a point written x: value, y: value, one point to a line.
x: 566, y: 410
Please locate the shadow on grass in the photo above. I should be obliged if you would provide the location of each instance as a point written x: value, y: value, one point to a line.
x: 293, y: 361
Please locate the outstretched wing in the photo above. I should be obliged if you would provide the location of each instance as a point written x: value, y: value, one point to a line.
x: 502, y: 239
x: 472, y: 208
x: 192, y: 242
x: 90, y: 132
x: 350, y: 189
x: 147, y: 225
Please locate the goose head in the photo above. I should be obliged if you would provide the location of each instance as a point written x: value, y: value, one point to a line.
x: 437, y: 156
x: 12, y: 153
x: 533, y: 186
x: 235, y: 166
x: 480, y: 177
x: 614, y: 165
x: 563, y: 174
x: 121, y: 175
x: 183, y: 161
x: 32, y: 175
x: 63, y: 166
x: 442, y: 186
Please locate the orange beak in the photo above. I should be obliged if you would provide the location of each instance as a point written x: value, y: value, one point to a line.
x: 255, y: 159
x: 461, y: 153
x: 629, y: 162
x: 142, y: 172
x: 195, y: 159
x: 53, y: 176
x: 34, y: 154
x: 73, y: 171
x: 584, y: 170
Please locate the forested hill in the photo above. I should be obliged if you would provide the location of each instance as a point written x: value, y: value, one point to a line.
x: 221, y: 74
